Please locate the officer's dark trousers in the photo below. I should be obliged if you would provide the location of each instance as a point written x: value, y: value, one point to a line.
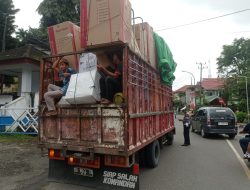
x: 186, y: 135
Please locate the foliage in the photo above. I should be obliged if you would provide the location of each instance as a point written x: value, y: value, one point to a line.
x: 8, y: 10
x: 234, y: 64
x: 36, y: 36
x: 241, y: 116
x: 53, y: 12
x: 57, y: 11
x: 235, y: 58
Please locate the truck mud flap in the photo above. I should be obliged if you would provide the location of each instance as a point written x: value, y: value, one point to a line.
x: 105, y: 178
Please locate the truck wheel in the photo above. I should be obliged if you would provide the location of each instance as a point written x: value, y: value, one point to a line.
x: 153, y: 154
x: 142, y: 157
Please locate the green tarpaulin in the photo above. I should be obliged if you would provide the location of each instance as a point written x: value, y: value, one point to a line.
x: 166, y: 64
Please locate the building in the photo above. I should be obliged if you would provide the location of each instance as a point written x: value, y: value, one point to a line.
x: 209, y: 93
x: 19, y: 74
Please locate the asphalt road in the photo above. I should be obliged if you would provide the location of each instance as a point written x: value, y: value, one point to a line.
x: 208, y: 164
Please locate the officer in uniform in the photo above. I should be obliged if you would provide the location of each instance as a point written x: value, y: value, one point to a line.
x: 186, y: 129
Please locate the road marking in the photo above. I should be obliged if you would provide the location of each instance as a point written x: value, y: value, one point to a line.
x: 242, y: 163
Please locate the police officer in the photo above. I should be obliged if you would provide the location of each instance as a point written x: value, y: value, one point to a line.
x: 186, y: 129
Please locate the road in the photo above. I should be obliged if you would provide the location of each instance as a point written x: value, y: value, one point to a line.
x: 206, y: 164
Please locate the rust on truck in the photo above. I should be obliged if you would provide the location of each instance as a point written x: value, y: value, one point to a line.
x: 146, y: 114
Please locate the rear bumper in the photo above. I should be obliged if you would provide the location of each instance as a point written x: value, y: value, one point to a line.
x: 211, y: 130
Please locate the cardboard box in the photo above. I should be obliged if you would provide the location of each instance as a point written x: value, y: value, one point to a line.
x: 141, y: 39
x: 151, y: 51
x: 105, y: 21
x: 65, y: 38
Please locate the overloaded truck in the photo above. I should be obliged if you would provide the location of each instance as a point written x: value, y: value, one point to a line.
x: 99, y: 145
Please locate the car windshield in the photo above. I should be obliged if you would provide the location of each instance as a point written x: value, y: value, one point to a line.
x: 218, y: 112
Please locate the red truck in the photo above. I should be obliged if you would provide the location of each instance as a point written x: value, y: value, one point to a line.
x: 102, y: 146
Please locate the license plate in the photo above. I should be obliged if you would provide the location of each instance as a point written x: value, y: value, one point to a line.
x: 83, y: 172
x: 222, y: 123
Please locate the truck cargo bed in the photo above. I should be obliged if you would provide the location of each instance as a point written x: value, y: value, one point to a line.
x: 146, y: 115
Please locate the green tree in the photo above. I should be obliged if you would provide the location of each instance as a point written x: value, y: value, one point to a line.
x: 57, y: 11
x: 7, y: 11
x: 233, y: 63
x: 52, y: 12
x: 235, y: 58
x: 36, y: 36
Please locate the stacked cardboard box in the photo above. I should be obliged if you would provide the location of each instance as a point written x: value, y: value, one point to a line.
x: 145, y: 38
x: 105, y: 21
x: 65, y: 38
x: 151, y: 53
x: 141, y: 39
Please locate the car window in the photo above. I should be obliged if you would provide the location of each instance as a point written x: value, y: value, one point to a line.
x: 220, y: 112
x: 201, y: 113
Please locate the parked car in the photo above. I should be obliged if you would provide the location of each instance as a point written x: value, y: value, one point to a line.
x: 214, y: 120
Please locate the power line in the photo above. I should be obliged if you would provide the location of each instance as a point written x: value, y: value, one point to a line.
x: 205, y: 20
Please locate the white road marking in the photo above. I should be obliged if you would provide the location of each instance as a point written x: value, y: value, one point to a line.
x: 242, y: 163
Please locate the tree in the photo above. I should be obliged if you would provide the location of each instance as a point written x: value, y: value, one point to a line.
x: 235, y: 58
x: 7, y: 15
x: 57, y: 11
x: 36, y: 36
x: 233, y: 63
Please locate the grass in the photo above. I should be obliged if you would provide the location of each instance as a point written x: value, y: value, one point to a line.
x: 16, y: 138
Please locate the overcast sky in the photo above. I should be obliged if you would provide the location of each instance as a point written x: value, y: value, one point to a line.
x: 190, y: 44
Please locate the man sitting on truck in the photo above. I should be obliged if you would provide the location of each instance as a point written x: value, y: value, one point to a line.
x: 56, y: 92
x: 111, y: 82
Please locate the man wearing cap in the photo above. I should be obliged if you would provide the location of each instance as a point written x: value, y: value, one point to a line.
x: 62, y: 67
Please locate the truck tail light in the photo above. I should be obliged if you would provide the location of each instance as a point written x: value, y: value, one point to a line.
x: 83, y: 162
x: 55, y: 154
x: 136, y: 169
x: 118, y: 161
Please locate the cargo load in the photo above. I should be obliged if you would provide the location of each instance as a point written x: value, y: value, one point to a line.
x: 166, y: 64
x: 65, y: 38
x: 141, y: 39
x: 84, y: 87
x: 105, y: 21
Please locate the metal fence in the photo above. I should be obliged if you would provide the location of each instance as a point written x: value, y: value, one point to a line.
x: 19, y: 120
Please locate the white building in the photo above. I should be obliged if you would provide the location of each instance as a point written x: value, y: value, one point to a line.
x: 19, y: 74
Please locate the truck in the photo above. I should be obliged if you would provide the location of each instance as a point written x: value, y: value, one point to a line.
x: 103, y: 146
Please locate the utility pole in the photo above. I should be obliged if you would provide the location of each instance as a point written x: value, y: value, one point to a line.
x: 4, y: 33
x: 201, y: 67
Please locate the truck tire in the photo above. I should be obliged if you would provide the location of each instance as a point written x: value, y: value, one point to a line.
x: 153, y: 154
x: 142, y: 157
